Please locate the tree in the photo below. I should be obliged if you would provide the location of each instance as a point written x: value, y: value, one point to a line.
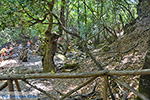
x: 51, y: 43
x: 144, y: 83
x: 39, y: 15
x: 33, y: 13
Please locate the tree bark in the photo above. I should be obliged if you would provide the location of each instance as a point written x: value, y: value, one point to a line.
x: 62, y: 16
x: 144, y: 84
x: 50, y: 43
x: 50, y: 49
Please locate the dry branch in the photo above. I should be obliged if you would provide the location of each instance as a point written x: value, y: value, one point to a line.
x: 124, y: 92
x: 131, y: 47
x: 110, y: 91
x: 85, y: 95
x: 50, y: 96
x: 77, y: 88
x: 74, y: 75
x: 3, y: 86
x: 131, y: 89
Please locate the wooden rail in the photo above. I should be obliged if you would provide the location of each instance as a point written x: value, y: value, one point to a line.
x: 106, y: 73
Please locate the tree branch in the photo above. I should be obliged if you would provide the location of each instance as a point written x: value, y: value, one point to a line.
x: 50, y: 96
x: 127, y: 10
x: 34, y: 19
x: 77, y: 88
x: 67, y: 31
x: 131, y: 89
x: 3, y: 86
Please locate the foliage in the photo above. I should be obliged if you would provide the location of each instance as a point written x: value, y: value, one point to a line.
x: 25, y: 13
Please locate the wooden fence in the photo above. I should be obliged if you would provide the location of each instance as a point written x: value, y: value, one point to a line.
x: 93, y: 75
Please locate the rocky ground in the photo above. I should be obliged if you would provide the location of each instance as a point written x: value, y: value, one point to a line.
x: 134, y: 47
x: 34, y: 65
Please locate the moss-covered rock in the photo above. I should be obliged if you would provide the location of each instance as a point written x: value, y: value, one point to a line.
x: 60, y: 56
x: 70, y: 67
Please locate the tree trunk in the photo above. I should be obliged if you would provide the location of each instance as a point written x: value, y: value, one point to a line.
x: 144, y: 84
x: 50, y: 44
x: 78, y: 11
x: 62, y: 16
x: 85, y: 17
x: 50, y: 49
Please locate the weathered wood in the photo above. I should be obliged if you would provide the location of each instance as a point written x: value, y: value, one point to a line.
x: 74, y: 75
x: 17, y: 85
x: 11, y: 88
x: 3, y: 86
x: 18, y: 88
x: 131, y: 89
x: 10, y: 85
x: 105, y: 87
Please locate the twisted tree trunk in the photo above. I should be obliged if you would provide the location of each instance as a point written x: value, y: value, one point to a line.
x: 50, y: 43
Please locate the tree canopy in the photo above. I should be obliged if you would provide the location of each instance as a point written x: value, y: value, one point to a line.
x: 90, y: 14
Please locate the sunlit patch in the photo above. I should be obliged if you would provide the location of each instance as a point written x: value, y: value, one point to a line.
x: 7, y: 62
x: 34, y: 63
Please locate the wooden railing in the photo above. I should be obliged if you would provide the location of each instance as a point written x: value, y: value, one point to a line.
x: 105, y: 73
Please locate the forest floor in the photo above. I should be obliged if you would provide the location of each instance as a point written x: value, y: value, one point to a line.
x: 134, y: 46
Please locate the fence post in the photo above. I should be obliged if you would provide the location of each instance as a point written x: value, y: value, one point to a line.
x: 105, y: 87
x: 10, y: 85
x: 11, y: 88
x: 17, y: 85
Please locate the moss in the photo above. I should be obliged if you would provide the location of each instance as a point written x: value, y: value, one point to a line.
x: 102, y: 41
x: 132, y: 29
x: 110, y: 39
x: 106, y: 48
x: 129, y: 27
x: 70, y: 67
x: 100, y: 45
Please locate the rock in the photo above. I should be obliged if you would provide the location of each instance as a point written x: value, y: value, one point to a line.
x: 60, y: 56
